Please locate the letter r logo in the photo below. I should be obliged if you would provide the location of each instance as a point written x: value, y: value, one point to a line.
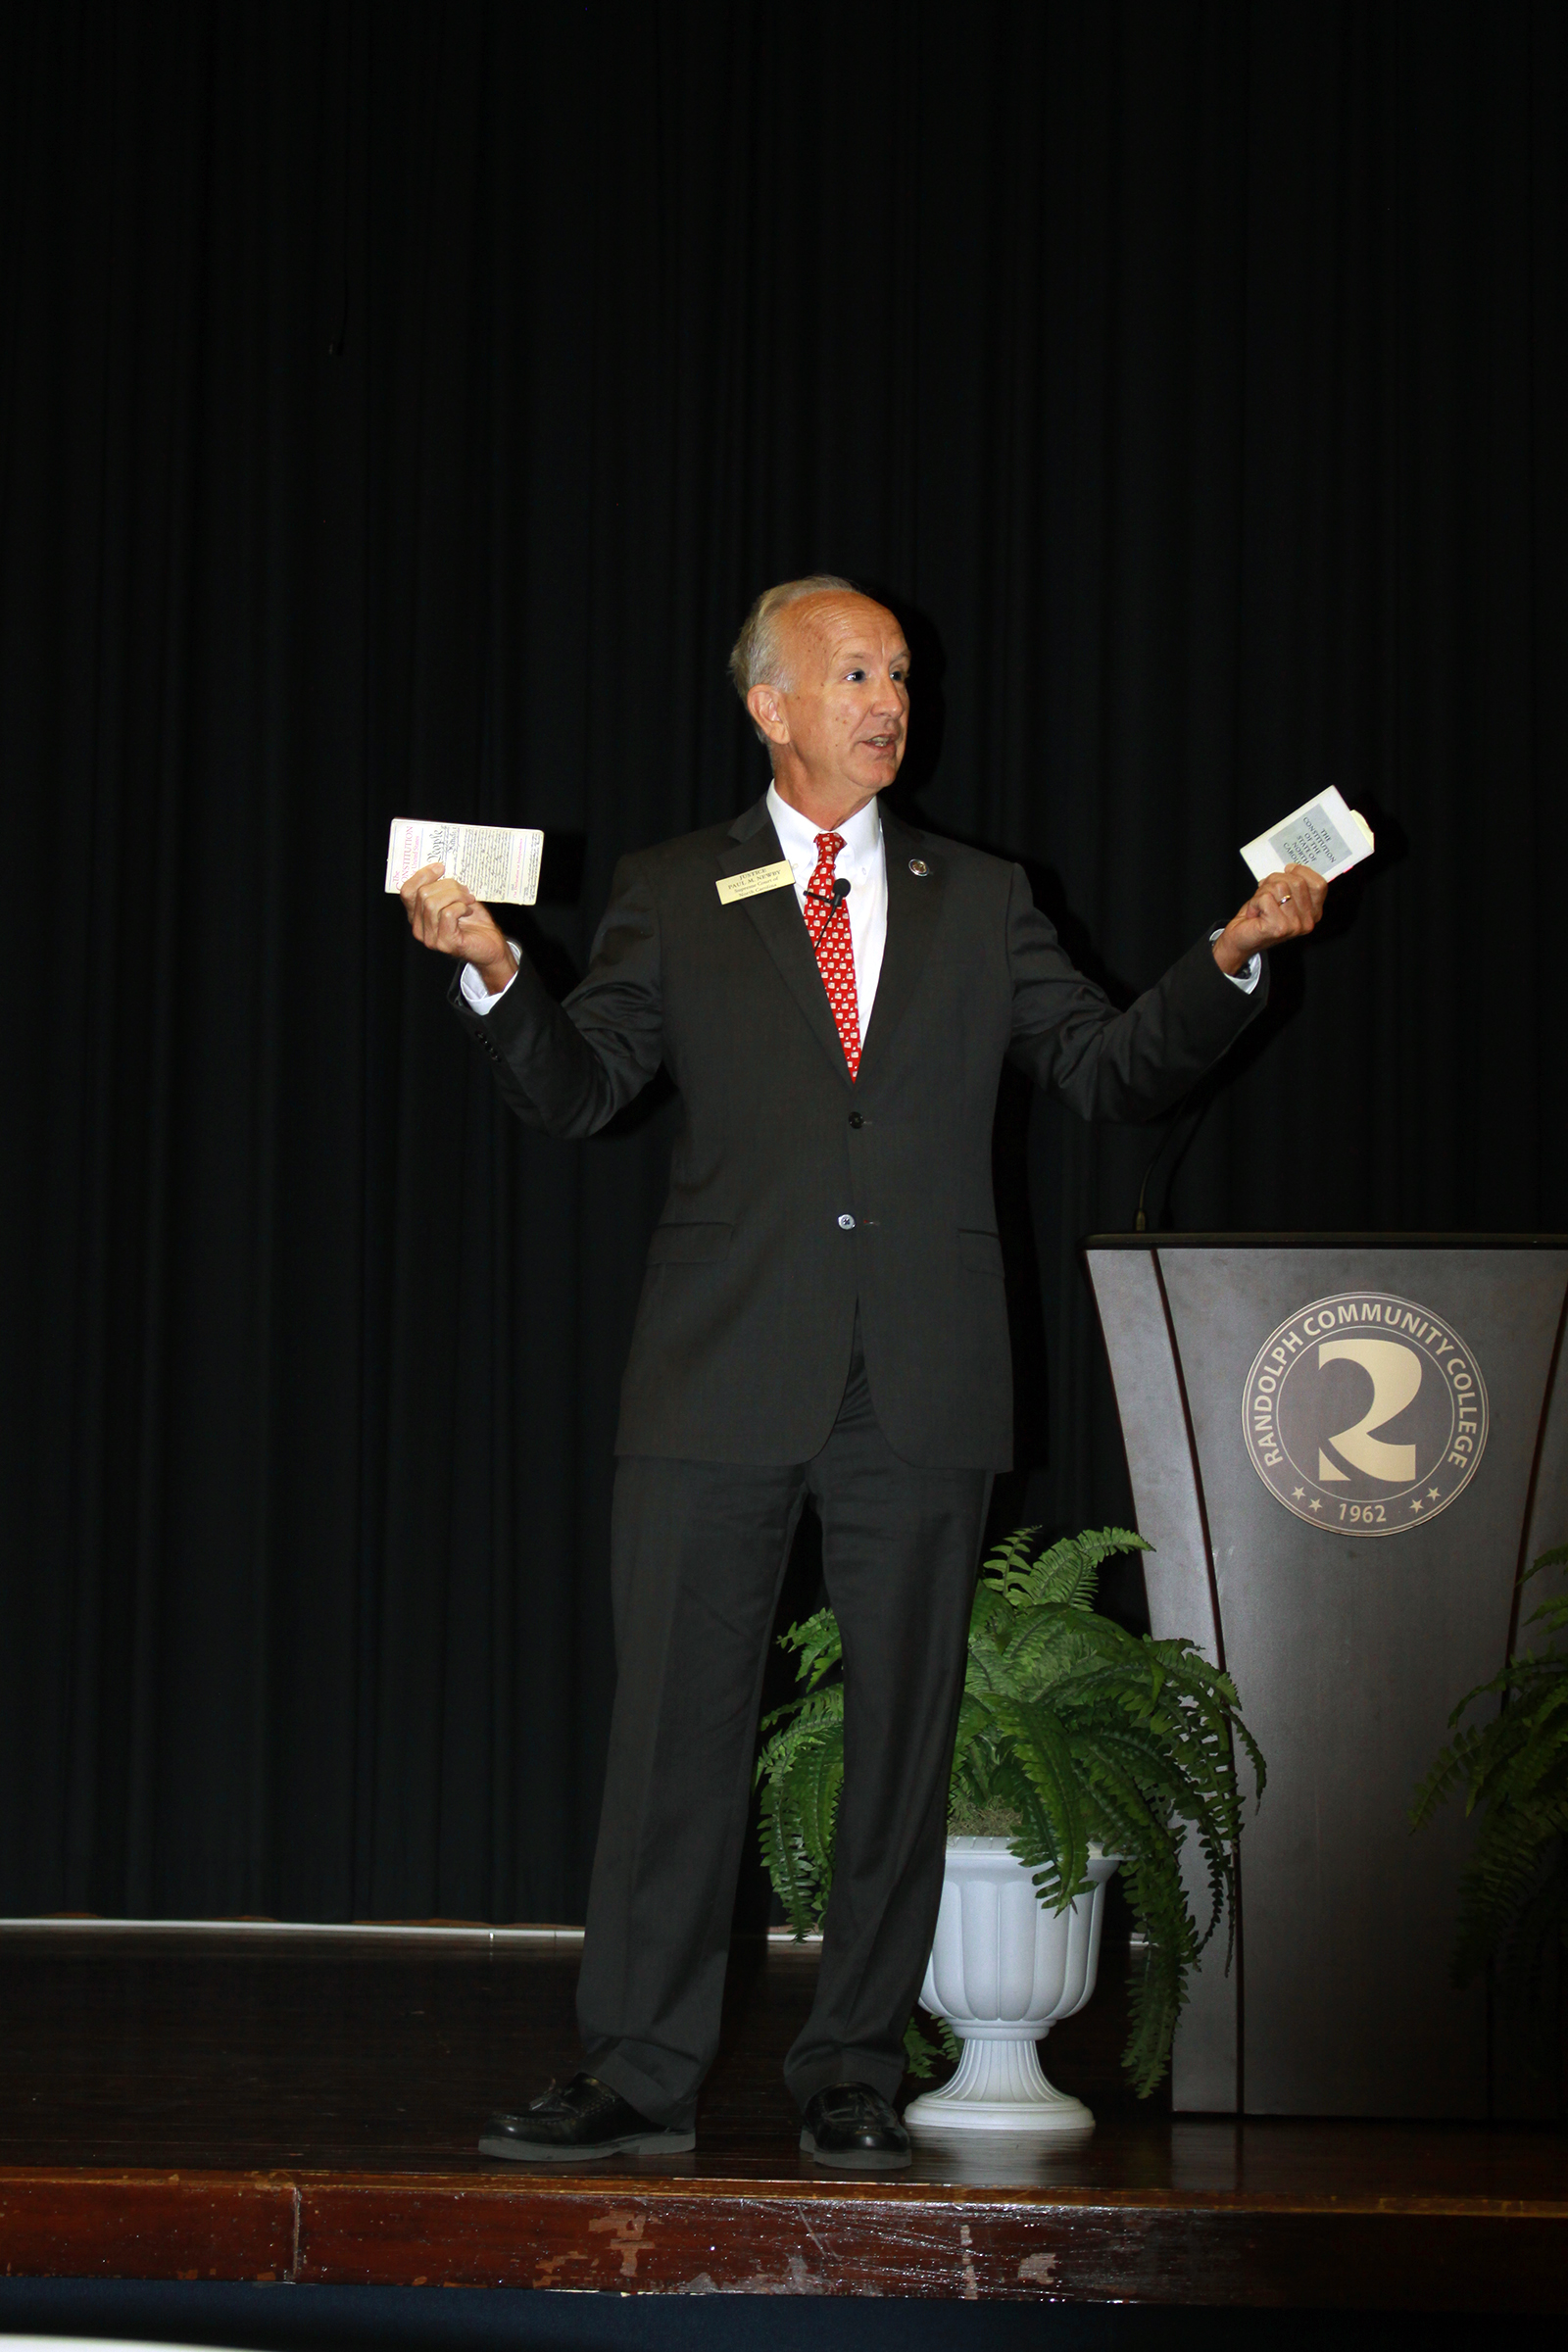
x: 1395, y: 1375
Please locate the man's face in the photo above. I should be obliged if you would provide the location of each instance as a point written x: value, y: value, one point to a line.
x: 846, y: 707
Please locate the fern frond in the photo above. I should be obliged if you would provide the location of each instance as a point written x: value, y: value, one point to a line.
x: 1069, y: 1572
x: 919, y: 2059
x: 819, y: 1642
x: 1513, y: 1769
x: 1062, y: 1577
x: 1044, y: 1754
x: 1072, y: 1728
x: 1011, y: 1556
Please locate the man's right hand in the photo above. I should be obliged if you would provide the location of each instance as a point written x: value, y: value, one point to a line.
x: 447, y: 916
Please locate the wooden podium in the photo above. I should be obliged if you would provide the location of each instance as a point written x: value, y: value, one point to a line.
x: 1342, y: 1446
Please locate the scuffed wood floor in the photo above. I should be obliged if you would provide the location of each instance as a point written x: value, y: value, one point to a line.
x: 305, y: 2108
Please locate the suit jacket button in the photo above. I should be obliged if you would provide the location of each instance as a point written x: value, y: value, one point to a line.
x: 847, y: 1223
x: 856, y: 1119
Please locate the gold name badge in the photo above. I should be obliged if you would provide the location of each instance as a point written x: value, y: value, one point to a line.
x: 731, y: 887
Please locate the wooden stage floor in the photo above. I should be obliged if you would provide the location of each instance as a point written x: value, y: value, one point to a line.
x: 247, y: 2106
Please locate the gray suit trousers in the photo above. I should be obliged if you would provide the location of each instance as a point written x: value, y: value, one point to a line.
x: 698, y: 1552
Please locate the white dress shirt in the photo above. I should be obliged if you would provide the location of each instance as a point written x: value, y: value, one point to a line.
x: 474, y: 992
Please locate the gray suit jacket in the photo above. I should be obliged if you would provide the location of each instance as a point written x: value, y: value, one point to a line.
x: 797, y: 1195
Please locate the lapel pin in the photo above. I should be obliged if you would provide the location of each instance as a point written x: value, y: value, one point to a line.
x: 919, y: 868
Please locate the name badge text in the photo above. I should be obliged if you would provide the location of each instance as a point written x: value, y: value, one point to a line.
x: 758, y: 878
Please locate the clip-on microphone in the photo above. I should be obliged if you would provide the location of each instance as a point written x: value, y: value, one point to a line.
x: 841, y: 890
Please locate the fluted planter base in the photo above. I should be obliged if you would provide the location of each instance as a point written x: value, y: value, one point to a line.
x: 999, y: 2087
x: 1003, y: 1971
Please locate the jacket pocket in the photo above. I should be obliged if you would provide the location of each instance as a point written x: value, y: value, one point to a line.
x: 981, y: 1253
x: 689, y: 1245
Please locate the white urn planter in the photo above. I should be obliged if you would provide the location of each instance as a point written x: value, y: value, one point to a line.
x: 1003, y: 1971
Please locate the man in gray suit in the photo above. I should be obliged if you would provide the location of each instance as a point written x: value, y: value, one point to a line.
x: 834, y: 995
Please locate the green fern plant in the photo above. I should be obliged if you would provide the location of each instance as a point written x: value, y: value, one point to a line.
x: 1514, y: 1891
x: 1073, y: 1734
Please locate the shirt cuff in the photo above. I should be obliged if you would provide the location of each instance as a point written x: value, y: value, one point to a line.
x: 1246, y: 979
x: 478, y: 997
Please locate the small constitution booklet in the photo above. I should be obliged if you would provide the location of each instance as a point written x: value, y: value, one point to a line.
x: 1323, y: 833
x: 499, y: 862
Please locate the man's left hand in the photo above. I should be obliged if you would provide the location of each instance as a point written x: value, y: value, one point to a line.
x: 1285, y: 905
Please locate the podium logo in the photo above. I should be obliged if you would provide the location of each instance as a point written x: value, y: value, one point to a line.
x: 1365, y: 1414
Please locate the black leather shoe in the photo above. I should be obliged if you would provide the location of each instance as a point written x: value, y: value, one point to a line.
x: 583, y: 2120
x: 852, y: 2126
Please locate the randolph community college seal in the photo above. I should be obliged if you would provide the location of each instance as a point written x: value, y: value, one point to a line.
x: 1365, y: 1414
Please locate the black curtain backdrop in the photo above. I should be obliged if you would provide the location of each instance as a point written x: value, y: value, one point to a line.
x: 400, y: 403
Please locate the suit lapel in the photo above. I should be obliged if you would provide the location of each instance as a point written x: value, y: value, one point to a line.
x: 781, y: 927
x: 914, y: 902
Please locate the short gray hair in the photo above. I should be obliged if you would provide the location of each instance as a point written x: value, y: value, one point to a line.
x: 757, y: 657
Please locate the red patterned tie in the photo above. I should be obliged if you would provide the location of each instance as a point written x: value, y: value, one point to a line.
x: 827, y: 919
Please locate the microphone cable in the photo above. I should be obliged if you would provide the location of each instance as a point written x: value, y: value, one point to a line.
x: 1191, y: 1117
